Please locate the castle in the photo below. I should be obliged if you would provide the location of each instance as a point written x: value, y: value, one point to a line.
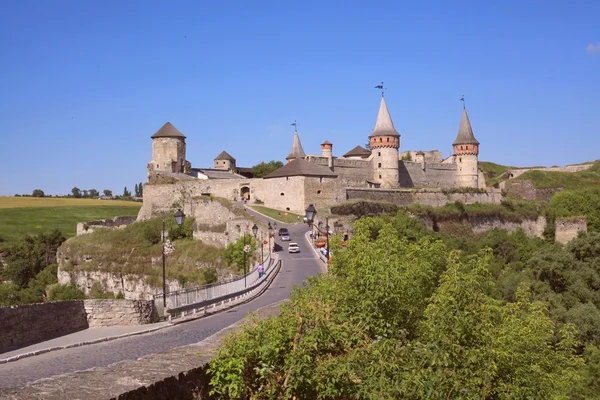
x: 381, y: 172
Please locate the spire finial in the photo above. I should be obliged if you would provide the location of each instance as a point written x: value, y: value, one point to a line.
x: 295, y: 125
x: 380, y: 87
x: 463, y: 101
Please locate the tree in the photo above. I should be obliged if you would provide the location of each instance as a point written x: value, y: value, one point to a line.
x: 86, y: 194
x: 141, y: 189
x: 263, y: 169
x: 126, y: 193
x: 38, y: 193
x: 136, y: 190
x: 107, y: 192
x: 76, y: 192
x: 94, y: 193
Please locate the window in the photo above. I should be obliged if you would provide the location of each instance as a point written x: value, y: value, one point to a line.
x: 287, y: 209
x: 379, y: 176
x: 459, y: 159
x: 379, y: 153
x: 282, y: 194
x: 318, y: 192
x: 388, y: 139
x: 378, y: 165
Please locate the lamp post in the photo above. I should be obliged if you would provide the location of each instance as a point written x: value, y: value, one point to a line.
x: 270, y: 230
x: 179, y: 218
x: 255, y: 232
x: 311, y: 212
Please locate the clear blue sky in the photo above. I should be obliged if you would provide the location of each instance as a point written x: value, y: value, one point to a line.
x: 85, y: 84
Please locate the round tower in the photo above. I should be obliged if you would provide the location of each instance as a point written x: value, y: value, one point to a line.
x: 385, y: 142
x: 466, y: 154
x: 168, y: 150
x: 327, y: 152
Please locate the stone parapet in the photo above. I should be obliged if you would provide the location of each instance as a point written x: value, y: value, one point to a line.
x: 109, y: 312
x: 32, y: 323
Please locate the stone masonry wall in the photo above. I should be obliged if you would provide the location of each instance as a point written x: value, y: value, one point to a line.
x: 113, y: 223
x: 32, y: 323
x: 430, y: 197
x: 568, y: 228
x: 415, y: 174
x: 111, y: 312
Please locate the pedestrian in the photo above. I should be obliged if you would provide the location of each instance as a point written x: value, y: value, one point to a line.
x: 261, y: 270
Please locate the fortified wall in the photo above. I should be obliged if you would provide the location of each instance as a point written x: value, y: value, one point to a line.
x: 429, y: 197
x: 417, y: 174
x: 113, y: 223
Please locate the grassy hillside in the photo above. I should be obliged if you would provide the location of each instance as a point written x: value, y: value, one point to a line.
x: 20, y: 216
x: 494, y: 173
x: 567, y: 180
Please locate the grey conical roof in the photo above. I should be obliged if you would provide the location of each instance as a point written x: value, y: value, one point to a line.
x: 358, y: 151
x: 168, y: 130
x: 297, y: 151
x: 465, y: 132
x: 225, y: 156
x: 384, y: 125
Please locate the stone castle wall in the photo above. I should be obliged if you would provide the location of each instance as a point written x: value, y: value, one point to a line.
x: 416, y: 174
x: 350, y: 172
x: 32, y: 323
x: 567, y: 229
x: 109, y: 312
x: 514, y: 173
x: 430, y: 197
x: 114, y: 223
x: 431, y: 156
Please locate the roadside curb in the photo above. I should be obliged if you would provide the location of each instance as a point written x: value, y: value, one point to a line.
x: 79, y: 344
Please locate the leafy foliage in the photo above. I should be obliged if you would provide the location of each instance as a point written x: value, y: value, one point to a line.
x: 582, y: 202
x: 37, y: 193
x: 234, y: 255
x: 262, y: 169
x: 402, y: 315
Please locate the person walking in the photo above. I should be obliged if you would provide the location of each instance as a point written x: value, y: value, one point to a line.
x: 261, y: 271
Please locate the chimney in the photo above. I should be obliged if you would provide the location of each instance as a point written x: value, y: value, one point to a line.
x: 327, y: 152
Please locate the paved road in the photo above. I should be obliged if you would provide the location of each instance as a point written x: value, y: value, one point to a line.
x: 295, y: 268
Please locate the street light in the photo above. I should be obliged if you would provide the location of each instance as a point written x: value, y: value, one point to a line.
x: 179, y: 218
x: 311, y: 212
x: 270, y: 230
x: 255, y: 232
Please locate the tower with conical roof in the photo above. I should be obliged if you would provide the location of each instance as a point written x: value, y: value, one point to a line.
x: 225, y: 161
x: 296, y: 151
x: 385, y: 142
x: 466, y: 154
x: 168, y: 150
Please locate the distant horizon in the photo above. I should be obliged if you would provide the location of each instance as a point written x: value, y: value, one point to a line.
x: 89, y: 83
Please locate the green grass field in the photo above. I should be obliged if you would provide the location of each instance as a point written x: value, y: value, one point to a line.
x: 20, y: 216
x: 290, y: 218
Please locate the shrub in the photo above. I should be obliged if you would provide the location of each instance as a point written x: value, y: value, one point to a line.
x: 58, y: 292
x: 152, y: 235
x: 98, y: 292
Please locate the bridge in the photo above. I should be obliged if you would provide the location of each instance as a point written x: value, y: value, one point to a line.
x: 106, y: 369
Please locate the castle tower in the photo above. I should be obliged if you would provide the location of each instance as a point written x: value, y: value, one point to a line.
x: 297, y: 151
x: 168, y: 150
x: 384, y: 142
x: 225, y: 161
x: 327, y: 151
x: 466, y: 152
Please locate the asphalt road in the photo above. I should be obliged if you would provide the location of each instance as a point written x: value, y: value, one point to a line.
x: 295, y: 268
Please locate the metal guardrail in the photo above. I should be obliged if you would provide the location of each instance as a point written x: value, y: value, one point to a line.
x: 202, y: 297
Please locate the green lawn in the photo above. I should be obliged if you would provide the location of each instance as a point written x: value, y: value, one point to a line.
x: 29, y: 216
x: 283, y: 216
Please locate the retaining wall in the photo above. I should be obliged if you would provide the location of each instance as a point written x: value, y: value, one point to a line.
x: 119, y: 312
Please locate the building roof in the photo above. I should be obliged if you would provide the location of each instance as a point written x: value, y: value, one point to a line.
x: 225, y: 156
x: 168, y: 130
x: 465, y: 133
x: 326, y: 142
x: 384, y: 125
x: 301, y: 167
x: 297, y: 151
x: 217, y: 173
x: 358, y: 151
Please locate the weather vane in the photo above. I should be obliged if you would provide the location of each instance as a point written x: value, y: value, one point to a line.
x: 295, y: 125
x: 380, y: 87
x: 463, y: 101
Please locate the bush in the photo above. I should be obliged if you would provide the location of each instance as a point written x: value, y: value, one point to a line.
x: 58, y: 292
x: 98, y: 292
x: 152, y: 235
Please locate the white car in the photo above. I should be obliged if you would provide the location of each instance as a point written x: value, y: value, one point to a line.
x: 293, y: 248
x: 285, y: 237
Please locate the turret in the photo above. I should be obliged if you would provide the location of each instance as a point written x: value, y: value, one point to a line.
x: 296, y: 151
x: 466, y: 153
x: 385, y: 142
x: 327, y: 151
x: 168, y: 150
x: 225, y: 161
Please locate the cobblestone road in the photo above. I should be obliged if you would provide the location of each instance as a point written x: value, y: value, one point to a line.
x: 295, y: 268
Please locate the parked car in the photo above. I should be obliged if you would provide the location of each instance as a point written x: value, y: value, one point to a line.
x: 285, y: 237
x: 293, y: 248
x: 283, y: 231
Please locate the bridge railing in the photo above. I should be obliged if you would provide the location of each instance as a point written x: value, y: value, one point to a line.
x: 207, y: 295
